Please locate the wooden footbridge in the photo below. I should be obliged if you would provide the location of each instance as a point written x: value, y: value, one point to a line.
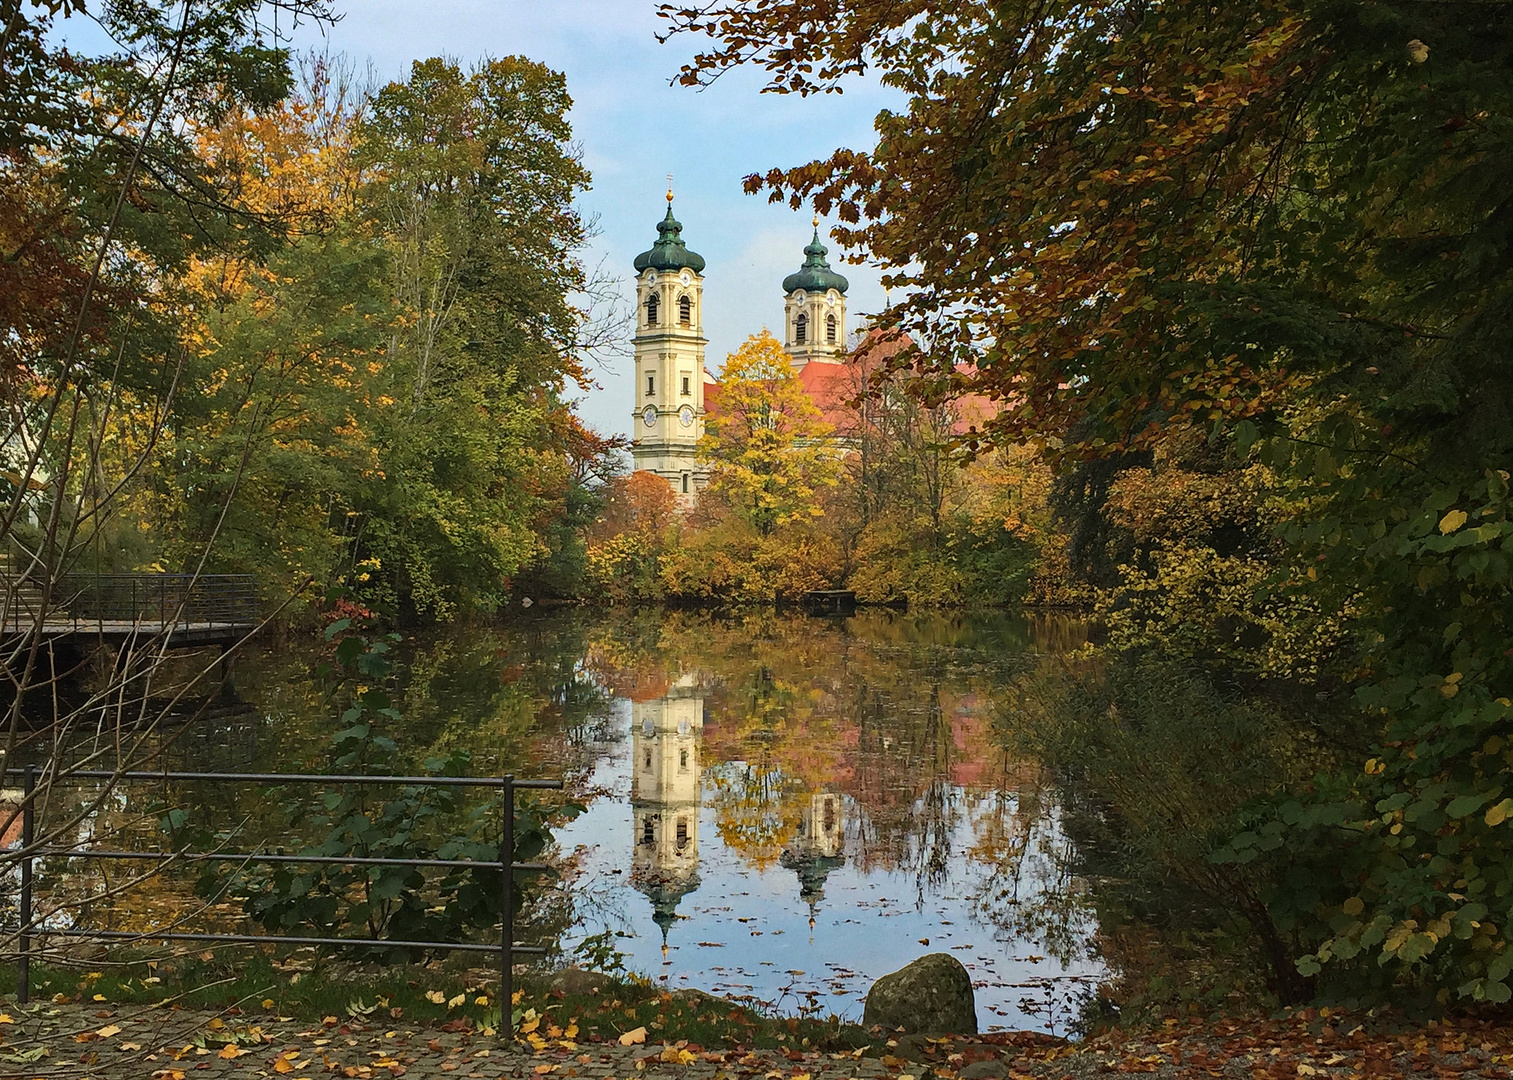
x: 189, y: 610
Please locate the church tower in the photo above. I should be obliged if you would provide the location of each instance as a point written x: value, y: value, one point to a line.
x: 815, y: 310
x: 669, y: 349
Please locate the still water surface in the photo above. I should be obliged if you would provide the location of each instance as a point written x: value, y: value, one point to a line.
x: 778, y: 807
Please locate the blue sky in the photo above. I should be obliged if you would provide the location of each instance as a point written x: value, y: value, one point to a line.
x: 634, y: 129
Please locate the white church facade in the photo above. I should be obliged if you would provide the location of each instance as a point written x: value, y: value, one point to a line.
x: 673, y: 391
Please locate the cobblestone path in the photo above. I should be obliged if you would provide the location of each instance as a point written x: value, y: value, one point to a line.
x: 125, y: 1043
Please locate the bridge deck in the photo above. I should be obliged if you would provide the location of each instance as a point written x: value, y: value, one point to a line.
x: 115, y: 631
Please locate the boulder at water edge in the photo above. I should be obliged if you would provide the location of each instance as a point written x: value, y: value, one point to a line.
x: 933, y: 995
x: 577, y: 982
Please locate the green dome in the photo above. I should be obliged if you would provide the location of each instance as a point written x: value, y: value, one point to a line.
x: 669, y: 252
x: 815, y: 275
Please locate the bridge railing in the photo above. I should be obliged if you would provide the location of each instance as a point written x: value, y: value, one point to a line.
x: 151, y: 601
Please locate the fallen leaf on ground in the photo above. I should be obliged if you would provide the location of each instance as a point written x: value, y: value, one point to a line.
x: 633, y: 1036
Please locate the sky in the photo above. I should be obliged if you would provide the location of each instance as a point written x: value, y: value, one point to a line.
x: 634, y: 128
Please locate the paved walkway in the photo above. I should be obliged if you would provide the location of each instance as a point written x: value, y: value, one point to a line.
x: 122, y: 1043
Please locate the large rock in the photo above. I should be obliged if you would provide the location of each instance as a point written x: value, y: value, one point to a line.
x: 933, y: 995
x: 579, y: 983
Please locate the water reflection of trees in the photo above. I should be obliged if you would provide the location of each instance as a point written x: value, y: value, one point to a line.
x: 518, y: 699
x: 889, y: 712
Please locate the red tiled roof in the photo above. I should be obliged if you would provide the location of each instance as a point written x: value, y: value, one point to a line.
x: 834, y: 386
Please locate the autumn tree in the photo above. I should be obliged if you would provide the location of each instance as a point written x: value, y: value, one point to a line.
x: 106, y: 202
x: 1284, y: 226
x: 626, y: 542
x: 765, y: 445
x: 640, y: 502
x: 471, y: 178
x: 281, y: 399
x: 391, y: 378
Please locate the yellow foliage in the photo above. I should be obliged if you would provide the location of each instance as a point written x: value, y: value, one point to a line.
x: 730, y: 562
x: 1193, y: 603
x: 766, y: 447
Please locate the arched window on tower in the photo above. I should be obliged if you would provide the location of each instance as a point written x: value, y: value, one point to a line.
x: 685, y: 311
x: 829, y: 329
x: 651, y: 310
x: 801, y: 329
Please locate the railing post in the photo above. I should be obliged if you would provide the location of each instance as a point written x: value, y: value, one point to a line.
x: 24, y: 945
x: 507, y: 916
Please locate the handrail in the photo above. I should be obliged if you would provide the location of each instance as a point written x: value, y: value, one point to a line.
x: 507, y: 949
x: 149, y: 600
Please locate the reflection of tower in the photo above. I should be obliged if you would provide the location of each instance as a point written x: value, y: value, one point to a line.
x: 664, y: 798
x: 817, y: 849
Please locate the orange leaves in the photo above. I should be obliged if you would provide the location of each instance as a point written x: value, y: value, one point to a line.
x: 1128, y: 164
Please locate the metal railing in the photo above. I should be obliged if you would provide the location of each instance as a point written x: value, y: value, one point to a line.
x: 506, y: 949
x: 149, y: 601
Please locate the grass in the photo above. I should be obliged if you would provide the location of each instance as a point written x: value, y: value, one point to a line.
x: 260, y: 983
x: 427, y: 995
x: 703, y: 1021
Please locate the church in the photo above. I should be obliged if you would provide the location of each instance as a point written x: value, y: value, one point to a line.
x: 673, y: 390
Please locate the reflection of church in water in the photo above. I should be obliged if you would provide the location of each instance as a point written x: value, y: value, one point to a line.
x: 818, y: 847
x: 664, y: 797
x: 665, y: 794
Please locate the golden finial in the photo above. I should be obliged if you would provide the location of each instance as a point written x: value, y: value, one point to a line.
x: 816, y: 221
x: 669, y: 187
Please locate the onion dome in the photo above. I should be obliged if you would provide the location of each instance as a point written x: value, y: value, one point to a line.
x: 815, y: 275
x: 669, y: 252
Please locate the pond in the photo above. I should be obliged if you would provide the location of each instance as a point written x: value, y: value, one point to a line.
x: 778, y: 807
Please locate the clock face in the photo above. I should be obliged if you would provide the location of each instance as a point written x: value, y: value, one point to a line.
x: 649, y: 416
x: 685, y: 416
x: 686, y: 278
